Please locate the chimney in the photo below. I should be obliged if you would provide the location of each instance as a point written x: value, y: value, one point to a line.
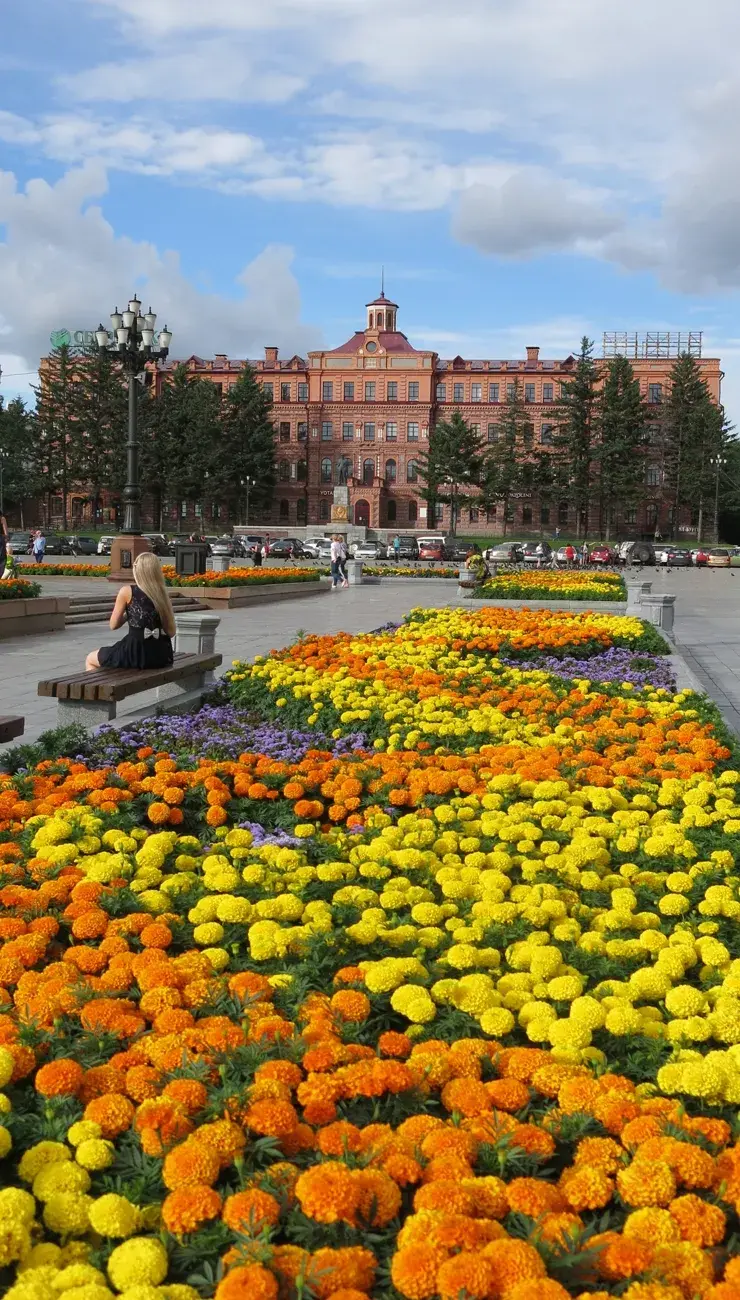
x: 271, y: 356
x: 533, y: 354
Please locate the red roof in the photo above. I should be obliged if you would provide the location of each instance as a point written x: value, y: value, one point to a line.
x: 382, y: 301
x: 390, y: 341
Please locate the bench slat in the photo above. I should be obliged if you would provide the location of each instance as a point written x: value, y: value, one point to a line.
x: 113, y: 684
x: 11, y: 727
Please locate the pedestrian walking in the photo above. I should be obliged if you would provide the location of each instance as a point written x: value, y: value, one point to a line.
x: 570, y: 555
x: 540, y: 553
x: 39, y: 546
x: 257, y: 556
x: 396, y: 548
x: 343, y: 557
x: 3, y: 541
x: 10, y: 570
x: 584, y: 555
x: 336, y: 550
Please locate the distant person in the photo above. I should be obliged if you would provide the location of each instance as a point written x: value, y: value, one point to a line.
x: 584, y: 554
x: 3, y: 541
x: 39, y: 546
x: 570, y: 555
x: 343, y: 557
x: 10, y: 569
x: 396, y: 548
x: 146, y: 606
x: 257, y: 556
x: 541, y: 554
x: 335, y: 553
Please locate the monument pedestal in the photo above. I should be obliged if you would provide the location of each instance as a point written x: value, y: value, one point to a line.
x: 123, y: 552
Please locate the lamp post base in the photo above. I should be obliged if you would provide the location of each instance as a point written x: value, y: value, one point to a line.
x: 123, y: 552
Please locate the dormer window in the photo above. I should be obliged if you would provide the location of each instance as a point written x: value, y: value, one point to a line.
x: 379, y: 320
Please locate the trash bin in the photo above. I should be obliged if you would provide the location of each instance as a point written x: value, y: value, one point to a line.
x: 190, y: 558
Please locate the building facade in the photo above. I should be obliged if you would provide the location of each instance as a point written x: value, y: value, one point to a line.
x: 358, y: 417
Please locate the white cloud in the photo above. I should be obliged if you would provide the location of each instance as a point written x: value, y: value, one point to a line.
x: 63, y: 266
x: 532, y: 212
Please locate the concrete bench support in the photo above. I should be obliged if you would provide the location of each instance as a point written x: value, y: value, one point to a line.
x: 218, y: 564
x: 85, y: 713
x: 660, y: 610
x: 637, y: 590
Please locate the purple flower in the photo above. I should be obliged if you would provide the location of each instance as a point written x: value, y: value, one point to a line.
x: 612, y: 666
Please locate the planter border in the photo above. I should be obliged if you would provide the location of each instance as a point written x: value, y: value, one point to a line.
x: 238, y: 597
x: 35, y: 614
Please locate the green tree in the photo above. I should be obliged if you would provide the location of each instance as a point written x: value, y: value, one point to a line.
x: 57, y: 452
x: 574, y: 439
x: 181, y: 438
x: 246, y: 449
x: 620, y: 442
x: 692, y: 434
x: 101, y: 413
x: 502, y: 469
x: 452, y: 468
x: 17, y: 443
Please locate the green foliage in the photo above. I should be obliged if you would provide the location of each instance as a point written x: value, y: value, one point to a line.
x: 246, y: 445
x: 575, y: 436
x: 57, y: 446
x: 620, y: 449
x: 20, y: 476
x: 180, y: 436
x: 451, y: 470
x: 100, y: 405
x: 691, y: 435
x: 502, y: 469
x: 50, y: 745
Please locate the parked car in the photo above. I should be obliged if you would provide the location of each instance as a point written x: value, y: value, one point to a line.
x: 602, y: 555
x: 637, y: 552
x: 565, y: 560
x: 369, y: 551
x: 408, y: 548
x: 83, y: 545
x: 506, y: 553
x: 18, y: 543
x: 700, y: 557
x: 433, y: 547
x: 158, y: 543
x: 224, y: 546
x: 719, y: 559
x: 286, y: 548
x: 462, y: 551
x: 104, y: 545
x: 537, y: 552
x: 312, y: 545
x: 56, y: 545
x: 324, y: 549
x: 673, y: 556
x: 248, y: 545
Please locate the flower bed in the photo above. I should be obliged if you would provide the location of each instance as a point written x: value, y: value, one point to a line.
x: 458, y: 1021
x: 237, y: 577
x: 547, y: 584
x: 52, y: 570
x: 18, y: 589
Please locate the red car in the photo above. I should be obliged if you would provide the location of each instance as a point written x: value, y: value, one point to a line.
x: 602, y: 555
x: 431, y: 548
x: 700, y: 556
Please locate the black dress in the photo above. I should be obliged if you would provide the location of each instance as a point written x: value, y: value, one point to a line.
x: 146, y: 644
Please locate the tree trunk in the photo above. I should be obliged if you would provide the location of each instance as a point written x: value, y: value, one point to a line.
x: 700, y: 524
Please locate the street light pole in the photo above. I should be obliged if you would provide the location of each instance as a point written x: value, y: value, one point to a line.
x: 3, y: 458
x: 718, y: 462
x: 247, y: 483
x: 133, y: 344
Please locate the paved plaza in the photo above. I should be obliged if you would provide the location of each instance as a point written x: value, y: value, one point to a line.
x: 707, y: 627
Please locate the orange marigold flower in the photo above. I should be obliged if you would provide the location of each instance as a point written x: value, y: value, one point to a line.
x: 337, y: 1139
x: 225, y: 1137
x: 329, y: 1193
x: 533, y: 1197
x: 248, y: 1282
x: 156, y: 935
x: 392, y: 1043
x: 272, y: 1118
x: 545, y: 1288
x: 142, y: 1081
x: 249, y: 1212
x: 190, y: 1094
x: 450, y: 1141
x: 698, y: 1221
x: 414, y: 1270
x: 489, y: 1196
x: 380, y: 1197
x: 513, y: 1261
x: 444, y: 1195
x: 692, y: 1166
x: 351, y: 1005
x: 686, y: 1266
x: 644, y: 1291
x: 508, y: 1094
x: 624, y: 1257
x: 603, y: 1152
x: 559, y: 1228
x: 188, y: 1208
x: 646, y: 1183
x: 114, y: 1113
x: 349, y: 1266
x: 283, y: 1071
x: 652, y: 1225
x: 60, y: 1078
x: 99, y: 1080
x: 467, y: 1097
x: 586, y: 1187
x: 190, y: 1164
x: 468, y: 1273
x: 403, y: 1169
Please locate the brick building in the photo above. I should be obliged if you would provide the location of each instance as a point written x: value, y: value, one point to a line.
x: 359, y: 415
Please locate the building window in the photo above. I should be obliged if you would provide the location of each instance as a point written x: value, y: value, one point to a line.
x: 370, y: 392
x: 473, y: 515
x: 390, y: 471
x: 652, y: 432
x: 348, y: 431
x: 379, y: 321
x: 283, y: 470
x: 563, y: 510
x: 413, y: 391
x: 529, y: 392
x: 303, y: 392
x: 655, y: 393
x: 475, y: 428
x: 441, y: 392
x: 493, y: 393
x: 511, y: 392
x: 476, y: 392
x: 368, y: 472
x: 301, y: 470
x: 391, y: 431
x: 544, y: 515
x: 546, y: 435
x: 349, y: 392
x: 391, y: 390
x: 438, y: 512
x: 327, y: 391
x: 326, y: 470
x: 653, y: 476
x: 198, y: 509
x: 458, y: 392
x: 528, y: 434
x: 323, y: 510
x: 285, y: 392
x: 302, y: 431
x: 300, y: 511
x: 651, y: 514
x: 391, y: 512
x: 369, y: 434
x: 285, y: 431
x: 548, y: 392
x: 285, y: 510
x: 268, y: 391
x: 493, y: 433
x: 526, y: 515
x: 327, y: 431
x: 630, y: 516
x: 412, y: 432
x: 412, y: 472
x: 413, y: 511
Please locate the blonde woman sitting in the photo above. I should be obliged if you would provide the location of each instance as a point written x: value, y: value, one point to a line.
x: 145, y: 605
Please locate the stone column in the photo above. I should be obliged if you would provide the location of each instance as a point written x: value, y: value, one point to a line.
x: 637, y: 591
x: 218, y: 563
x: 196, y: 633
x: 660, y: 610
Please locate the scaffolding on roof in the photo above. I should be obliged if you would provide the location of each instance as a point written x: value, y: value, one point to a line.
x: 651, y: 344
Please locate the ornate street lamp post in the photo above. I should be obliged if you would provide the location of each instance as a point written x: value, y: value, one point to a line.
x: 247, y: 484
x: 718, y: 464
x: 133, y: 342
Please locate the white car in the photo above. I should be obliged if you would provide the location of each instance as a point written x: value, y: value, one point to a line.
x: 369, y: 551
x: 323, y: 551
x: 312, y: 546
x: 105, y: 544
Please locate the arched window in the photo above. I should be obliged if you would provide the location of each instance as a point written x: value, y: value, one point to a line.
x: 368, y: 471
x: 651, y: 514
x: 284, y: 509
x: 653, y: 476
x: 412, y: 512
x: 326, y: 470
x: 412, y: 471
x: 300, y: 511
x: 390, y: 471
x: 563, y: 514
x: 371, y: 320
x: 301, y: 470
x: 379, y: 320
x: 283, y: 470
x: 323, y: 509
x: 391, y: 512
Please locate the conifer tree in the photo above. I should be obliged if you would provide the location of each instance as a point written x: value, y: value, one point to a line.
x: 246, y: 448
x: 502, y: 471
x: 574, y: 439
x: 451, y: 469
x: 692, y: 431
x: 20, y: 479
x: 101, y: 413
x: 620, y: 442
x: 181, y: 438
x: 57, y: 451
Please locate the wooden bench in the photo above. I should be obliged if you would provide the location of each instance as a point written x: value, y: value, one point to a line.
x: 10, y: 728
x: 91, y: 698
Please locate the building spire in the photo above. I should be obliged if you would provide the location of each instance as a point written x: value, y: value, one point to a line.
x: 382, y: 282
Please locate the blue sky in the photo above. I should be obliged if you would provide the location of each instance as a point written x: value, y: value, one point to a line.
x: 526, y: 173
